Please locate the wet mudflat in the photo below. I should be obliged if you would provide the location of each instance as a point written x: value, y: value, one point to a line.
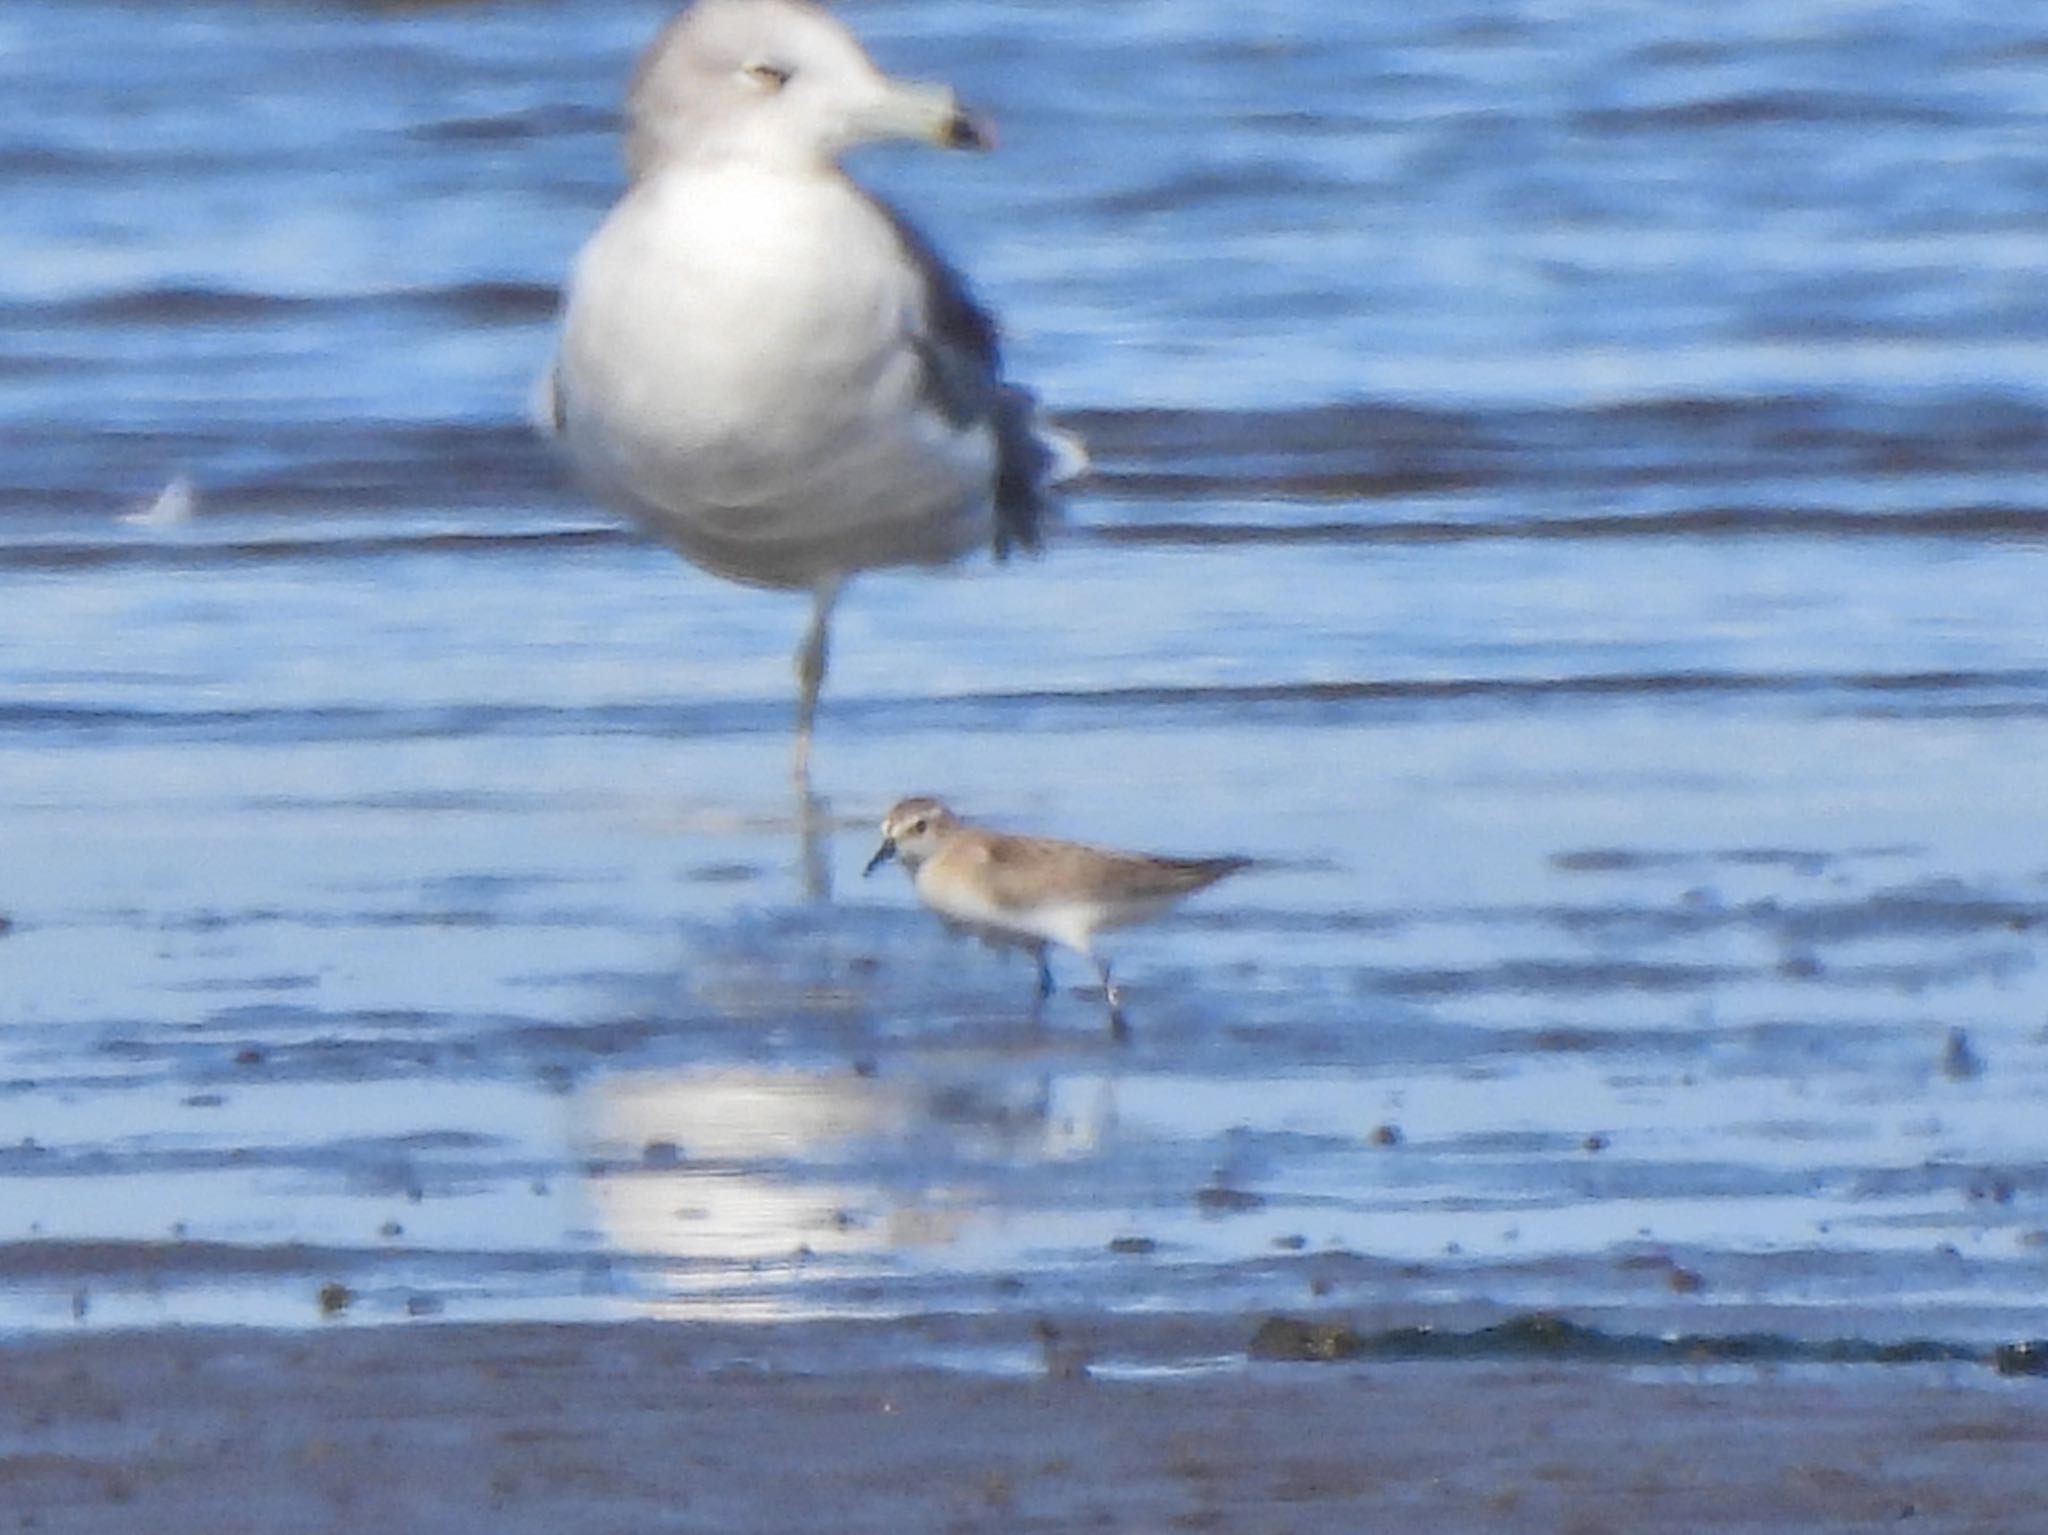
x: 573, y: 1429
x: 1570, y: 501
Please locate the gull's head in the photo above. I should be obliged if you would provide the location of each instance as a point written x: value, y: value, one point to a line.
x: 912, y: 831
x: 779, y: 83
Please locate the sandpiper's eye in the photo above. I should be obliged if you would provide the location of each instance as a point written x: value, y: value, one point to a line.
x: 770, y: 76
x: 917, y: 827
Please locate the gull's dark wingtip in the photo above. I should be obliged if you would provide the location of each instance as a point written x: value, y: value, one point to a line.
x: 1034, y: 461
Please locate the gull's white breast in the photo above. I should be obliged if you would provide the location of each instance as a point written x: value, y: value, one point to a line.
x: 738, y: 370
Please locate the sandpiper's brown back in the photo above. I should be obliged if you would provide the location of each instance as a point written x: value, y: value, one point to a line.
x: 1029, y: 871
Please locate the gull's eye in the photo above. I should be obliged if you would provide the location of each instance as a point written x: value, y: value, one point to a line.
x: 769, y: 76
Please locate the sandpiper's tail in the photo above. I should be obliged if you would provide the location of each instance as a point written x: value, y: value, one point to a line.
x: 1034, y: 459
x: 1184, y: 876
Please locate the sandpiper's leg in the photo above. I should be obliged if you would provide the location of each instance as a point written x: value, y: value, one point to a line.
x: 1044, y: 975
x: 1119, y: 1027
x: 810, y: 673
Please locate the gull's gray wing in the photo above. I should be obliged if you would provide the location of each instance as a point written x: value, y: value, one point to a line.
x: 961, y: 355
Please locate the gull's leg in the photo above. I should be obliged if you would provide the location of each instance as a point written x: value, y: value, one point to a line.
x: 810, y: 674
x: 814, y: 839
x: 1119, y: 1027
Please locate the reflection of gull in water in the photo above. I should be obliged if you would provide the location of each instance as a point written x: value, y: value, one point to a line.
x: 784, y: 1167
x: 176, y: 504
x: 707, y: 1208
x: 766, y: 365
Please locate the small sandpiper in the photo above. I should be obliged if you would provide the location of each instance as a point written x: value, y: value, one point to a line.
x: 1032, y: 892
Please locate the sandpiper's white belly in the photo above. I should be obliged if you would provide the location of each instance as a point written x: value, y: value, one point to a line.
x: 737, y: 370
x: 960, y: 900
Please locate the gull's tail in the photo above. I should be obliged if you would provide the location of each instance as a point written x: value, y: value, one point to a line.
x: 1034, y: 460
x: 544, y: 402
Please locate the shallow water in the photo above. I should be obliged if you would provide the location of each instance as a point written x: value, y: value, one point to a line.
x: 1570, y: 501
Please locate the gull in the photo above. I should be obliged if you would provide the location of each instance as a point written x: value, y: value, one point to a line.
x: 1033, y: 892
x: 172, y: 507
x: 766, y: 365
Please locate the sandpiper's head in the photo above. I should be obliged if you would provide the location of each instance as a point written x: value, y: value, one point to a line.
x: 776, y: 82
x: 912, y: 832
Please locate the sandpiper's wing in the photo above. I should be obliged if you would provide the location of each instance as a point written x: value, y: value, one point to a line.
x: 1140, y: 876
x: 960, y: 352
x: 1030, y: 871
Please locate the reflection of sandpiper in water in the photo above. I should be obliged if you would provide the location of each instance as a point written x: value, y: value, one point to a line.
x: 764, y: 364
x: 1032, y: 892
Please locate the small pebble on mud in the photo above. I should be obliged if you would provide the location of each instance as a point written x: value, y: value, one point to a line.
x: 1959, y: 1060
x: 1286, y: 1337
x: 2029, y: 1357
x: 1219, y: 1199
